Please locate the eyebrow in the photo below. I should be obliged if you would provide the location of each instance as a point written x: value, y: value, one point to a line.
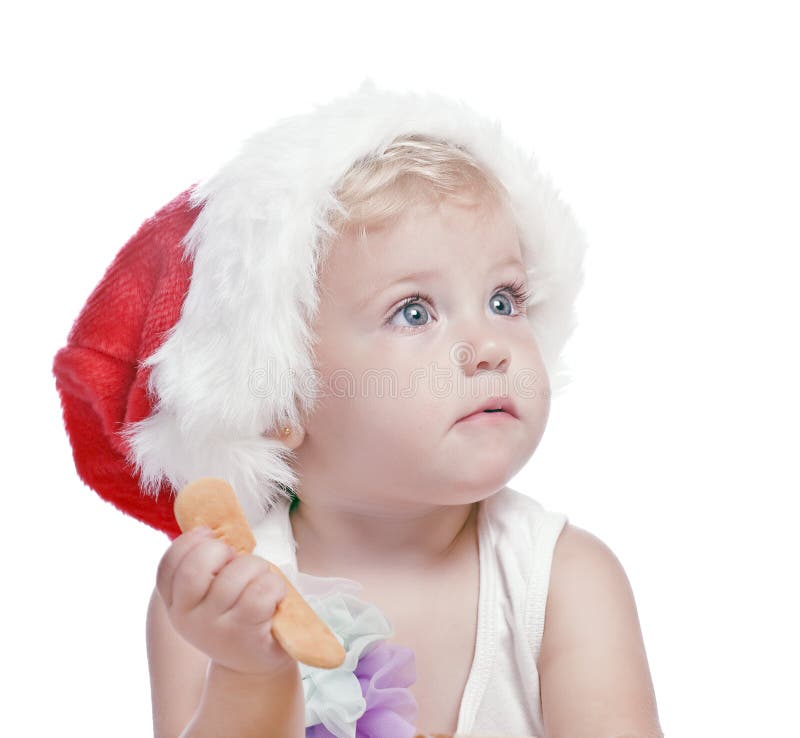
x: 426, y: 273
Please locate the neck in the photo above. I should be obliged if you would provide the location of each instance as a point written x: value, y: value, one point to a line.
x: 336, y: 537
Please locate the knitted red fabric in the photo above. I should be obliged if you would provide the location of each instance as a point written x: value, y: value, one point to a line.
x: 98, y: 376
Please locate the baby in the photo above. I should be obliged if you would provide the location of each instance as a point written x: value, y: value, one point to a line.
x: 358, y: 324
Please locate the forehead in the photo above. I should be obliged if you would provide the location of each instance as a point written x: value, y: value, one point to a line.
x: 435, y: 237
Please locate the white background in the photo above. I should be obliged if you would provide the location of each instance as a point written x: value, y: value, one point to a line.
x: 671, y: 128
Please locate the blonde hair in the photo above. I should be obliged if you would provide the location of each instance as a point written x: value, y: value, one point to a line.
x: 414, y: 169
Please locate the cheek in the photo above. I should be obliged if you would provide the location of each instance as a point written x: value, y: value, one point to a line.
x: 399, y: 435
x: 381, y: 415
x: 403, y: 421
x: 531, y: 376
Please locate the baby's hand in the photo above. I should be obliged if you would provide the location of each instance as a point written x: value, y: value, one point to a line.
x: 223, y: 602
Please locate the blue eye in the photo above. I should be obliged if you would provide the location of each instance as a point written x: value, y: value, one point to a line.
x: 413, y: 311
x: 520, y: 295
x: 509, y: 300
x: 500, y: 301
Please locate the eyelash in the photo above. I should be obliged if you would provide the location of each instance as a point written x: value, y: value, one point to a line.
x: 519, y: 294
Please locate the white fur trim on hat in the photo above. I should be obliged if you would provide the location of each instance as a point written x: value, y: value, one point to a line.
x: 234, y: 363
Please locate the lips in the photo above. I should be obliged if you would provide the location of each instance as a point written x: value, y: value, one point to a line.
x: 493, y: 404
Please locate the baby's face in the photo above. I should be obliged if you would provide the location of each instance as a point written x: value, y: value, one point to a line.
x: 397, y: 378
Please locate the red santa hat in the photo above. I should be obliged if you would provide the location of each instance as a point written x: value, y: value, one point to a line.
x: 197, y: 339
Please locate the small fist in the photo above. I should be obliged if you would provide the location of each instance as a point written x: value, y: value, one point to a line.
x: 222, y: 602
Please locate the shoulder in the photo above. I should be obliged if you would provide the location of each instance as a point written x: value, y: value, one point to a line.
x: 592, y: 647
x: 585, y: 577
x: 575, y: 550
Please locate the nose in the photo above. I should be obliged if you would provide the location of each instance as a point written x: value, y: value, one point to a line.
x: 486, y: 351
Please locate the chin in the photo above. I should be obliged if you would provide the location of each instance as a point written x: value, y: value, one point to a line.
x: 480, y: 486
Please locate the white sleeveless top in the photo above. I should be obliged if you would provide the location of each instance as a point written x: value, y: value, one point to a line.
x: 516, y: 539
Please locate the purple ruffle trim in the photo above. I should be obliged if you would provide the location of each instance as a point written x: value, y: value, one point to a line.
x: 385, y: 674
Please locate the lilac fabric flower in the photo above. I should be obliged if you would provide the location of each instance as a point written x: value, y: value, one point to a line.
x: 384, y: 674
x: 367, y: 696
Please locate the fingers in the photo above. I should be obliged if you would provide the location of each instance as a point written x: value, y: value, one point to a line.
x: 172, y: 558
x: 188, y: 568
x: 199, y: 570
x: 229, y: 585
x: 259, y: 599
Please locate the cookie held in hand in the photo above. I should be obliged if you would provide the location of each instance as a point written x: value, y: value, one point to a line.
x: 213, y: 503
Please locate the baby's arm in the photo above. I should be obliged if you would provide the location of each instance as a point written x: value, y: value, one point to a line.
x: 215, y: 669
x: 177, y: 672
x: 593, y: 671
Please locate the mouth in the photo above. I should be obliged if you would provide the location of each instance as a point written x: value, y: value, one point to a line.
x: 494, y: 407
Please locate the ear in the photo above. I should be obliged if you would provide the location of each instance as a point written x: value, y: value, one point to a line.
x: 292, y: 439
